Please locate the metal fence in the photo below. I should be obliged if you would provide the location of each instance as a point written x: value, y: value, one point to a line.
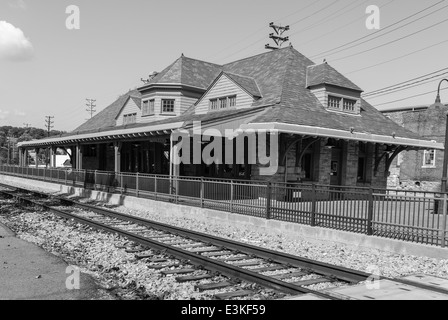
x: 406, y: 215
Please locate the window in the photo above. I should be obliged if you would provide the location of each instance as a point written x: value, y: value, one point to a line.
x: 342, y: 104
x: 167, y: 106
x: 429, y: 159
x: 334, y: 102
x: 148, y: 107
x: 213, y: 104
x: 232, y: 101
x: 129, y: 118
x: 222, y: 103
x: 349, y: 105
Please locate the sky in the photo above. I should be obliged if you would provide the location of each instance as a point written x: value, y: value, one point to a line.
x: 50, y: 65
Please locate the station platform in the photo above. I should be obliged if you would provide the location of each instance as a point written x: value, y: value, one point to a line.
x: 27, y: 272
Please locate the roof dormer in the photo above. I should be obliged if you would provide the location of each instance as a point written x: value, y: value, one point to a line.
x: 229, y: 91
x: 334, y: 91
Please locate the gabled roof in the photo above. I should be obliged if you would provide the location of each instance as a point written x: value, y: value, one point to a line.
x: 188, y: 72
x: 106, y: 118
x: 137, y: 101
x: 282, y: 78
x: 246, y: 83
x: 326, y: 74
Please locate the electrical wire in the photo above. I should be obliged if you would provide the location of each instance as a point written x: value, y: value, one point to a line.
x: 328, y: 52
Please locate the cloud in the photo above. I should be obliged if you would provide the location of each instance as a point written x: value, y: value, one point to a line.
x: 18, y: 4
x: 13, y: 43
x: 3, y: 114
x: 19, y: 113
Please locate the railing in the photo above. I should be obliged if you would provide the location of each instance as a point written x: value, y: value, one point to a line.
x: 414, y: 216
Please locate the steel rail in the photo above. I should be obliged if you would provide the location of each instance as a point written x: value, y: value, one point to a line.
x: 328, y: 270
x: 195, y: 259
x: 325, y: 269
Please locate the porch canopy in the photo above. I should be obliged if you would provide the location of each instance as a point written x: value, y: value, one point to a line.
x: 319, y: 132
x: 108, y: 135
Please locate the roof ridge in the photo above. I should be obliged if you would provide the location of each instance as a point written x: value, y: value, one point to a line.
x: 263, y: 53
x: 216, y: 64
x: 287, y: 69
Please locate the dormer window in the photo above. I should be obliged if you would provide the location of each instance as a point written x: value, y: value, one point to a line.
x: 349, y: 105
x: 334, y: 102
x: 129, y: 118
x: 222, y: 103
x: 167, y: 106
x: 342, y: 104
x: 148, y: 107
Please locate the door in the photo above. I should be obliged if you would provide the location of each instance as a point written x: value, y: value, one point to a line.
x: 336, y: 167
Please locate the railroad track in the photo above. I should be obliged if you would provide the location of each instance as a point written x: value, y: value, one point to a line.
x: 192, y: 256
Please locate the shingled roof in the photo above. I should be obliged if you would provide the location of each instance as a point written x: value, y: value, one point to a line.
x: 326, y: 74
x: 282, y: 78
x: 106, y: 118
x: 187, y: 71
x: 246, y: 83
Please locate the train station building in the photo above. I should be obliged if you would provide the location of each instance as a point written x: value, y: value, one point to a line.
x: 326, y: 133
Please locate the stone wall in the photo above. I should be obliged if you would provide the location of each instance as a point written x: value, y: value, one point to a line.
x: 408, y: 170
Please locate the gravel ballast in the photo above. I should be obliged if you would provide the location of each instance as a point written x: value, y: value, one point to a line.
x: 96, y: 253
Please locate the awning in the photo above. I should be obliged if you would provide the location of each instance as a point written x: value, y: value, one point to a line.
x: 143, y: 131
x: 344, y: 135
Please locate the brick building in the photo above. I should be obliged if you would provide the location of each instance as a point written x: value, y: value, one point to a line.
x: 419, y: 169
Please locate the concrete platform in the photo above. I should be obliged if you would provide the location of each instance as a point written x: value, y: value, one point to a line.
x: 27, y: 272
x: 389, y: 290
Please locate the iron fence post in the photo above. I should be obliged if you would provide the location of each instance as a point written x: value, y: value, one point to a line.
x: 155, y: 186
x: 231, y: 195
x: 176, y: 188
x: 136, y: 184
x: 444, y: 220
x: 202, y: 192
x: 313, y: 205
x: 268, y: 200
x: 370, y: 214
x: 121, y: 183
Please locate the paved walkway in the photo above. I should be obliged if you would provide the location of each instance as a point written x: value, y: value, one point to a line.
x: 28, y: 272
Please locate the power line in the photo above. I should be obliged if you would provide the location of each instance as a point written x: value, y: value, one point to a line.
x: 331, y: 16
x: 342, y: 27
x: 48, y: 123
x: 258, y: 41
x: 397, y: 58
x: 404, y: 82
x: 408, y: 86
x: 91, y: 107
x: 417, y: 95
x: 393, y: 41
x: 264, y: 27
x: 328, y: 52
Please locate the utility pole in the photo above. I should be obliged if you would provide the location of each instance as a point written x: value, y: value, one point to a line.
x: 91, y: 107
x: 27, y: 125
x: 48, y: 124
x: 278, y: 36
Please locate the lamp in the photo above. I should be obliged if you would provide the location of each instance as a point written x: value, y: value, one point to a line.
x: 445, y: 154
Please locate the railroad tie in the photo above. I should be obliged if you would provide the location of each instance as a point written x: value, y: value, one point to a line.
x: 178, y: 271
x: 213, y: 286
x: 194, y: 278
x: 235, y: 294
